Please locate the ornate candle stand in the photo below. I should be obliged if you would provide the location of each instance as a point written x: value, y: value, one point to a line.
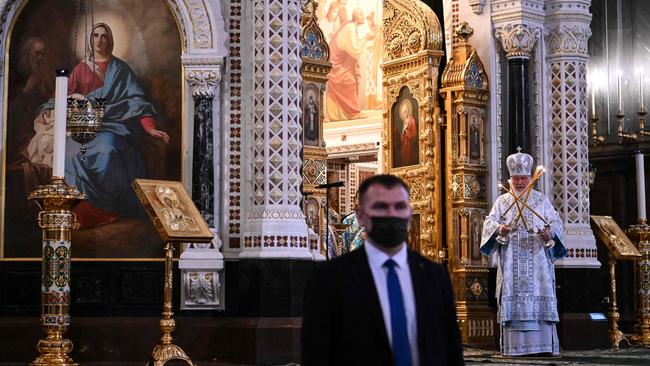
x: 615, y: 335
x: 642, y: 113
x: 640, y: 235
x: 621, y: 135
x: 56, y: 218
x: 595, y: 138
x: 166, y: 350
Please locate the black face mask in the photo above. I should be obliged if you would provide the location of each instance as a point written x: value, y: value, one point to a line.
x: 389, y: 231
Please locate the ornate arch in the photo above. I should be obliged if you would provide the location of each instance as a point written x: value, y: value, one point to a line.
x: 203, y: 38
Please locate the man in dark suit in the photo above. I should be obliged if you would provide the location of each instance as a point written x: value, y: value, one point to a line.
x: 381, y: 304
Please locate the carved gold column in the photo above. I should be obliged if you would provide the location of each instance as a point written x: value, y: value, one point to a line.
x: 466, y: 93
x: 411, y: 137
x: 315, y: 67
x: 640, y: 235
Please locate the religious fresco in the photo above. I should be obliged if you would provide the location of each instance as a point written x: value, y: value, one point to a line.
x: 131, y: 57
x: 405, y: 128
x: 353, y: 30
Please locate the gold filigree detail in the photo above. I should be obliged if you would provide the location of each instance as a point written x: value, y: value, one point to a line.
x: 173, y: 210
x: 413, y: 27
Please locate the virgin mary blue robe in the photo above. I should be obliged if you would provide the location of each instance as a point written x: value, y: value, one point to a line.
x: 112, y: 160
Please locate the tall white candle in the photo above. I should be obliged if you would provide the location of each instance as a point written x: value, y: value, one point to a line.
x: 640, y: 185
x: 593, y: 99
x: 641, y: 91
x: 620, y: 93
x: 60, y: 103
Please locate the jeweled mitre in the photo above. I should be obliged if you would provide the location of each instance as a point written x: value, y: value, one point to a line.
x: 519, y: 164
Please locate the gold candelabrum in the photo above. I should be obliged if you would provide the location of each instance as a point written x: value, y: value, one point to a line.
x: 56, y: 218
x: 595, y: 137
x: 640, y: 235
x: 621, y: 135
x: 642, y: 113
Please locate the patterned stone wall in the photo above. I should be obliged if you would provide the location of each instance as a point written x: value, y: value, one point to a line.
x: 566, y: 33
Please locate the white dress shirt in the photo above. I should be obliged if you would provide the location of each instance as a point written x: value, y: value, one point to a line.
x: 376, y: 260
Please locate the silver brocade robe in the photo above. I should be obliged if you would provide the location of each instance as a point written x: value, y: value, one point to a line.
x: 525, y: 276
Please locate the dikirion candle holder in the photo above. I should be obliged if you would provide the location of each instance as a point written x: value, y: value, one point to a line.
x: 56, y: 201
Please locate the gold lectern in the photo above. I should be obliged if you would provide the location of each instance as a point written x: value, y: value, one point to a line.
x: 177, y: 221
x: 620, y: 248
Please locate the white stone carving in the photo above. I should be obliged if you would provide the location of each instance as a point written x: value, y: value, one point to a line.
x: 203, y: 82
x: 568, y: 40
x: 477, y: 5
x: 517, y: 40
x: 275, y: 225
x: 567, y: 32
x: 201, y: 29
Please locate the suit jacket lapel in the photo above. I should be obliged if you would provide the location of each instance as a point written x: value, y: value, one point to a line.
x: 365, y: 282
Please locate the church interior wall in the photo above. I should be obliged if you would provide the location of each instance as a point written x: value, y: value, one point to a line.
x: 257, y: 288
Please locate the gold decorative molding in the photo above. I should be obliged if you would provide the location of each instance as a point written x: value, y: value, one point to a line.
x: 413, y: 26
x: 466, y: 92
x: 315, y: 66
x: 411, y: 139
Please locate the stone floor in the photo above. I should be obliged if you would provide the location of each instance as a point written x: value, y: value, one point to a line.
x: 623, y: 357
x: 627, y: 356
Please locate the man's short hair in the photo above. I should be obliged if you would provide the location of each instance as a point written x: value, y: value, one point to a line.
x: 386, y: 180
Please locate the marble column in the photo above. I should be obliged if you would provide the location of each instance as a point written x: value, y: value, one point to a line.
x: 519, y: 130
x: 203, y: 83
x: 566, y: 33
x: 275, y: 225
x: 518, y: 41
x: 201, y: 264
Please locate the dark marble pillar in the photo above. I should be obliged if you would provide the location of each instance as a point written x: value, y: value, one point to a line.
x: 519, y: 129
x: 203, y: 159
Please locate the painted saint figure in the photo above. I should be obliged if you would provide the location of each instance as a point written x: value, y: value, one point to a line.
x: 525, y: 289
x: 112, y: 160
x: 405, y: 136
x: 343, y: 81
x: 311, y: 120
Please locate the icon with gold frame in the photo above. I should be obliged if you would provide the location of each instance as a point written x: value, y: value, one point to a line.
x: 172, y: 211
x: 615, y: 239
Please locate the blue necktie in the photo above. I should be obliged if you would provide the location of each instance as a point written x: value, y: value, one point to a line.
x: 401, y: 347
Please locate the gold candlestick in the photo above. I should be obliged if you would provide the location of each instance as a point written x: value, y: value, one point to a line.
x: 166, y: 350
x: 640, y: 234
x: 56, y: 218
x: 595, y: 138
x: 642, y: 113
x: 620, y: 133
x: 615, y: 335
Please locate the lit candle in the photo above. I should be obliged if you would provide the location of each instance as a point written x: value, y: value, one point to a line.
x: 641, y: 90
x: 593, y: 98
x: 620, y: 93
x: 60, y: 103
x: 640, y: 185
